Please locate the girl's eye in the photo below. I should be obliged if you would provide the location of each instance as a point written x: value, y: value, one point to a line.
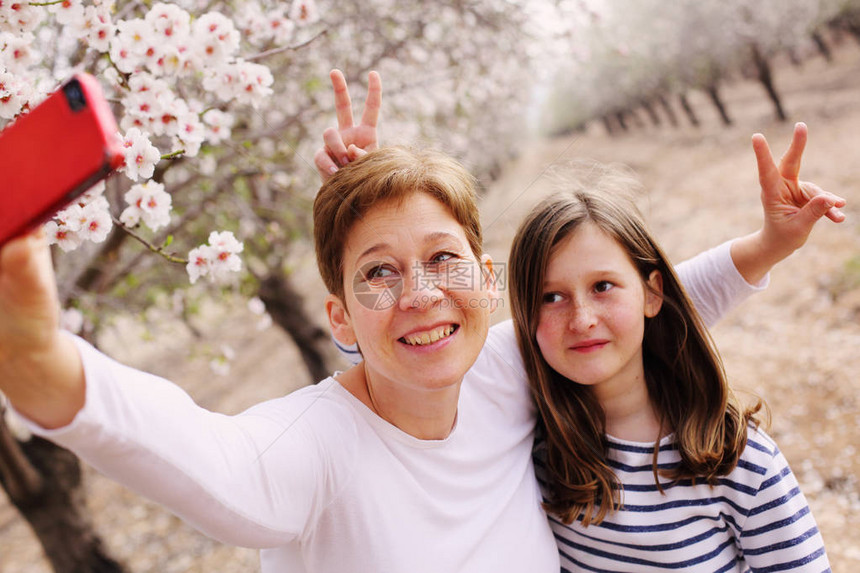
x: 603, y: 286
x: 551, y: 297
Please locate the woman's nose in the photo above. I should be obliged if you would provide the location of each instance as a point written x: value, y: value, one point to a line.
x: 421, y: 289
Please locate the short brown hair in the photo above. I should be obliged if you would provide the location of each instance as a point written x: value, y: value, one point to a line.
x: 388, y: 174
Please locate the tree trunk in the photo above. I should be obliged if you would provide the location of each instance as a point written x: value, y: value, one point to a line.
x: 285, y: 305
x: 688, y: 110
x: 43, y: 481
x: 607, y: 123
x: 853, y: 26
x: 765, y: 76
x: 635, y: 118
x: 622, y: 122
x: 794, y: 58
x: 652, y: 113
x: 714, y: 93
x: 668, y: 109
x: 821, y: 44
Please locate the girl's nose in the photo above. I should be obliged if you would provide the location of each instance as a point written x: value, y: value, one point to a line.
x: 582, y: 317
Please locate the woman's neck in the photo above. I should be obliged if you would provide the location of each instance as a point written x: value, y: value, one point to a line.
x: 426, y: 414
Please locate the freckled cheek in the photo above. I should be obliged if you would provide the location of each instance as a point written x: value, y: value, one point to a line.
x: 548, y: 334
x: 626, y: 321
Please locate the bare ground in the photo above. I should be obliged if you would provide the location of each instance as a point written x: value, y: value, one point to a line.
x: 797, y: 344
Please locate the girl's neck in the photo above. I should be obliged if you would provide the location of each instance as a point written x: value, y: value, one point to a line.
x: 630, y: 414
x: 426, y: 414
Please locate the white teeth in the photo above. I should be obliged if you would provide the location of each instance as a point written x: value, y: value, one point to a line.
x: 429, y: 337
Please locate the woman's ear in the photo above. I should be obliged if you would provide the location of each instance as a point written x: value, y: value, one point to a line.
x: 339, y: 320
x: 653, y: 294
x: 490, y: 280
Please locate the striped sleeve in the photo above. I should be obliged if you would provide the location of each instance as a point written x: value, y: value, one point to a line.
x: 779, y: 532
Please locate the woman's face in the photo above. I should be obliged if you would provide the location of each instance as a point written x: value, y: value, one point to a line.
x: 593, y: 310
x: 416, y: 299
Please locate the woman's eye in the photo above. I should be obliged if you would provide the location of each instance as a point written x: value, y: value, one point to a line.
x: 603, y: 286
x: 440, y: 261
x: 443, y: 257
x: 379, y: 273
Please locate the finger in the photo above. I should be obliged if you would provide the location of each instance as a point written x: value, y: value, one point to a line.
x: 768, y: 174
x: 335, y: 146
x: 789, y: 165
x: 355, y: 152
x: 812, y: 190
x: 342, y: 103
x: 373, y: 103
x: 325, y: 166
x: 815, y: 209
x: 834, y: 213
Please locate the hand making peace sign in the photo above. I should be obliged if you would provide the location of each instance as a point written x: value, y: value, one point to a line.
x: 791, y: 207
x: 349, y: 142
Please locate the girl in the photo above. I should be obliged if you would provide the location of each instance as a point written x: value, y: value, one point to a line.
x: 648, y: 460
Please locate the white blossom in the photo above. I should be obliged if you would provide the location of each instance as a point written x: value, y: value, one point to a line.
x: 218, y: 124
x: 61, y: 235
x: 169, y: 22
x: 17, y: 51
x: 304, y: 12
x: 95, y: 222
x: 10, y: 96
x: 141, y: 155
x: 68, y: 12
x: 98, y: 29
x: 216, y: 38
x: 218, y: 259
x: 148, y: 203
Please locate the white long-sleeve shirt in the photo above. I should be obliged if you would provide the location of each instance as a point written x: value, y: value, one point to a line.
x: 322, y: 484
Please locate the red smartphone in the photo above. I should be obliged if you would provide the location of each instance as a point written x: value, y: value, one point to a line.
x: 48, y: 157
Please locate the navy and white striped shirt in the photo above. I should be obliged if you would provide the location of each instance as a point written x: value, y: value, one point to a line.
x: 754, y: 519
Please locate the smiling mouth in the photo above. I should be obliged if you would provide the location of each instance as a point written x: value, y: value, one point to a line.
x: 590, y: 345
x: 430, y: 336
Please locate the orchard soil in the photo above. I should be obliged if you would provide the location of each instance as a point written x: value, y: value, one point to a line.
x: 797, y: 344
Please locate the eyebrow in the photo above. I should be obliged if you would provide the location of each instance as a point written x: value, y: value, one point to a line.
x: 434, y: 236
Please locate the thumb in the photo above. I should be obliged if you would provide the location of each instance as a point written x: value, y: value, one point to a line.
x: 26, y: 272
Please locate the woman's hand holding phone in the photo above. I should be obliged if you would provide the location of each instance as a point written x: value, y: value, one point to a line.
x: 40, y: 368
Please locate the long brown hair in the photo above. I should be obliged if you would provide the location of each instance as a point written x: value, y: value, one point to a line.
x: 684, y: 374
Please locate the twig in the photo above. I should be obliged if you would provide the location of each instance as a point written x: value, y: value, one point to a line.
x: 157, y: 250
x: 283, y: 49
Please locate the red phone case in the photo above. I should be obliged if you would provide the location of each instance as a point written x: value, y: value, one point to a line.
x: 51, y: 155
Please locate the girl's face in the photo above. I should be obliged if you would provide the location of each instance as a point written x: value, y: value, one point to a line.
x: 416, y: 299
x: 592, y: 317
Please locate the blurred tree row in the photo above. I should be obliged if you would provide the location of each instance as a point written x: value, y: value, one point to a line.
x: 625, y: 61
